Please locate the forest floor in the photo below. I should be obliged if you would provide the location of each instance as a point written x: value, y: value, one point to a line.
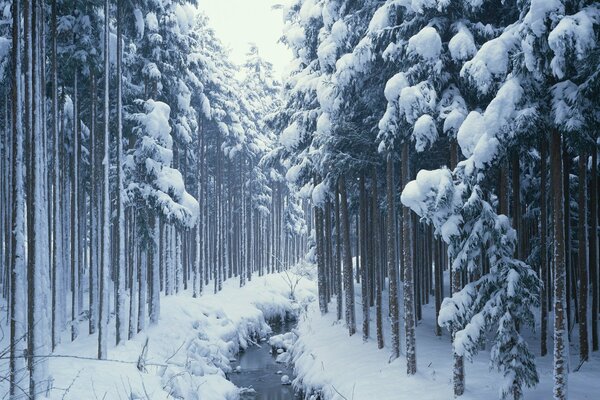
x: 327, y: 360
x: 188, y: 351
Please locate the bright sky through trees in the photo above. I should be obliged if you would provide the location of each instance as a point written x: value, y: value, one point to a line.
x: 239, y: 22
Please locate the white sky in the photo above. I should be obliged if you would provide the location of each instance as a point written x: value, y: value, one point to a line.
x: 239, y: 22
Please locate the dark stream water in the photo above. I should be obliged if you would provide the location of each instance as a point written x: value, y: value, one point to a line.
x: 259, y: 371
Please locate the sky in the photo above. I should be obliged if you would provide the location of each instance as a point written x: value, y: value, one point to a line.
x: 239, y: 22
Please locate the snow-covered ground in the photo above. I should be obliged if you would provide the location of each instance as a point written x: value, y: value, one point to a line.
x: 188, y: 351
x: 342, y: 367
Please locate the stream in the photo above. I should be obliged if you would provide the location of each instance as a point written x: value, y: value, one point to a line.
x: 259, y: 371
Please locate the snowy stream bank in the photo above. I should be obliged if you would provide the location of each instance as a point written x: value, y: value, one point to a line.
x: 188, y: 352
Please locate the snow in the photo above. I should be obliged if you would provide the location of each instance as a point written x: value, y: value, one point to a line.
x: 462, y: 45
x: 381, y: 18
x: 188, y: 350
x: 291, y: 136
x: 427, y: 184
x: 574, y: 32
x: 539, y: 11
x: 311, y: 9
x: 319, y: 194
x: 340, y: 367
x: 480, y: 135
x: 151, y: 22
x: 424, y: 132
x: 394, y: 86
x: 426, y: 43
x: 470, y: 132
x: 417, y: 100
x: 490, y: 61
x: 139, y: 22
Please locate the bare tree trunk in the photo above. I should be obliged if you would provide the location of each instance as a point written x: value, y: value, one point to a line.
x: 378, y: 264
x: 409, y: 319
x: 561, y: 340
x: 338, y: 255
x: 391, y: 259
x: 347, y: 257
x: 364, y: 284
x: 105, y: 266
x: 439, y: 281
x: 593, y: 246
x: 120, y: 228
x: 74, y: 216
x: 582, y: 259
x: 544, y: 266
x: 18, y: 319
x: 322, y: 283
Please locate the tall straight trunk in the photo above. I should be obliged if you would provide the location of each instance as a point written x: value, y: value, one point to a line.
x: 38, y: 271
x: 409, y: 319
x: 516, y: 206
x: 561, y: 340
x: 153, y: 270
x: 391, y: 258
x: 121, y: 328
x: 364, y: 284
x: 197, y: 279
x: 133, y: 247
x: 105, y: 266
x: 544, y: 265
x: 338, y: 255
x: 57, y: 233
x: 582, y: 261
x: 94, y: 216
x: 74, y: 216
x: 18, y: 320
x: 142, y: 272
x: 566, y: 170
x: 322, y: 278
x: 439, y: 281
x: 593, y: 246
x: 377, y: 264
x: 328, y: 250
x: 347, y: 258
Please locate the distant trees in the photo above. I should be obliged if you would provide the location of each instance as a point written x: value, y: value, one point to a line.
x: 115, y: 113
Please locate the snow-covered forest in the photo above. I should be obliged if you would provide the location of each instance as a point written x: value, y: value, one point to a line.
x: 410, y: 211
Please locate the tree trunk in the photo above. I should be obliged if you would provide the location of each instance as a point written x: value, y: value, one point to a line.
x: 18, y: 266
x: 338, y: 255
x: 105, y: 266
x: 377, y: 266
x: 582, y: 261
x: 561, y: 339
x: 347, y: 258
x: 544, y: 265
x: 409, y: 319
x: 364, y: 283
x: 74, y: 216
x: 322, y: 283
x: 120, y: 228
x: 391, y: 260
x: 593, y: 244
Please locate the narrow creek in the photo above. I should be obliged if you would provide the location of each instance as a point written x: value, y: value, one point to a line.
x: 256, y: 369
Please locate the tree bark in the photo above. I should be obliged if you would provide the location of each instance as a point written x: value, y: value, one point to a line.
x: 582, y: 261
x: 544, y: 266
x: 391, y: 259
x: 364, y: 283
x: 593, y: 246
x: 347, y: 258
x: 409, y: 319
x: 561, y: 339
